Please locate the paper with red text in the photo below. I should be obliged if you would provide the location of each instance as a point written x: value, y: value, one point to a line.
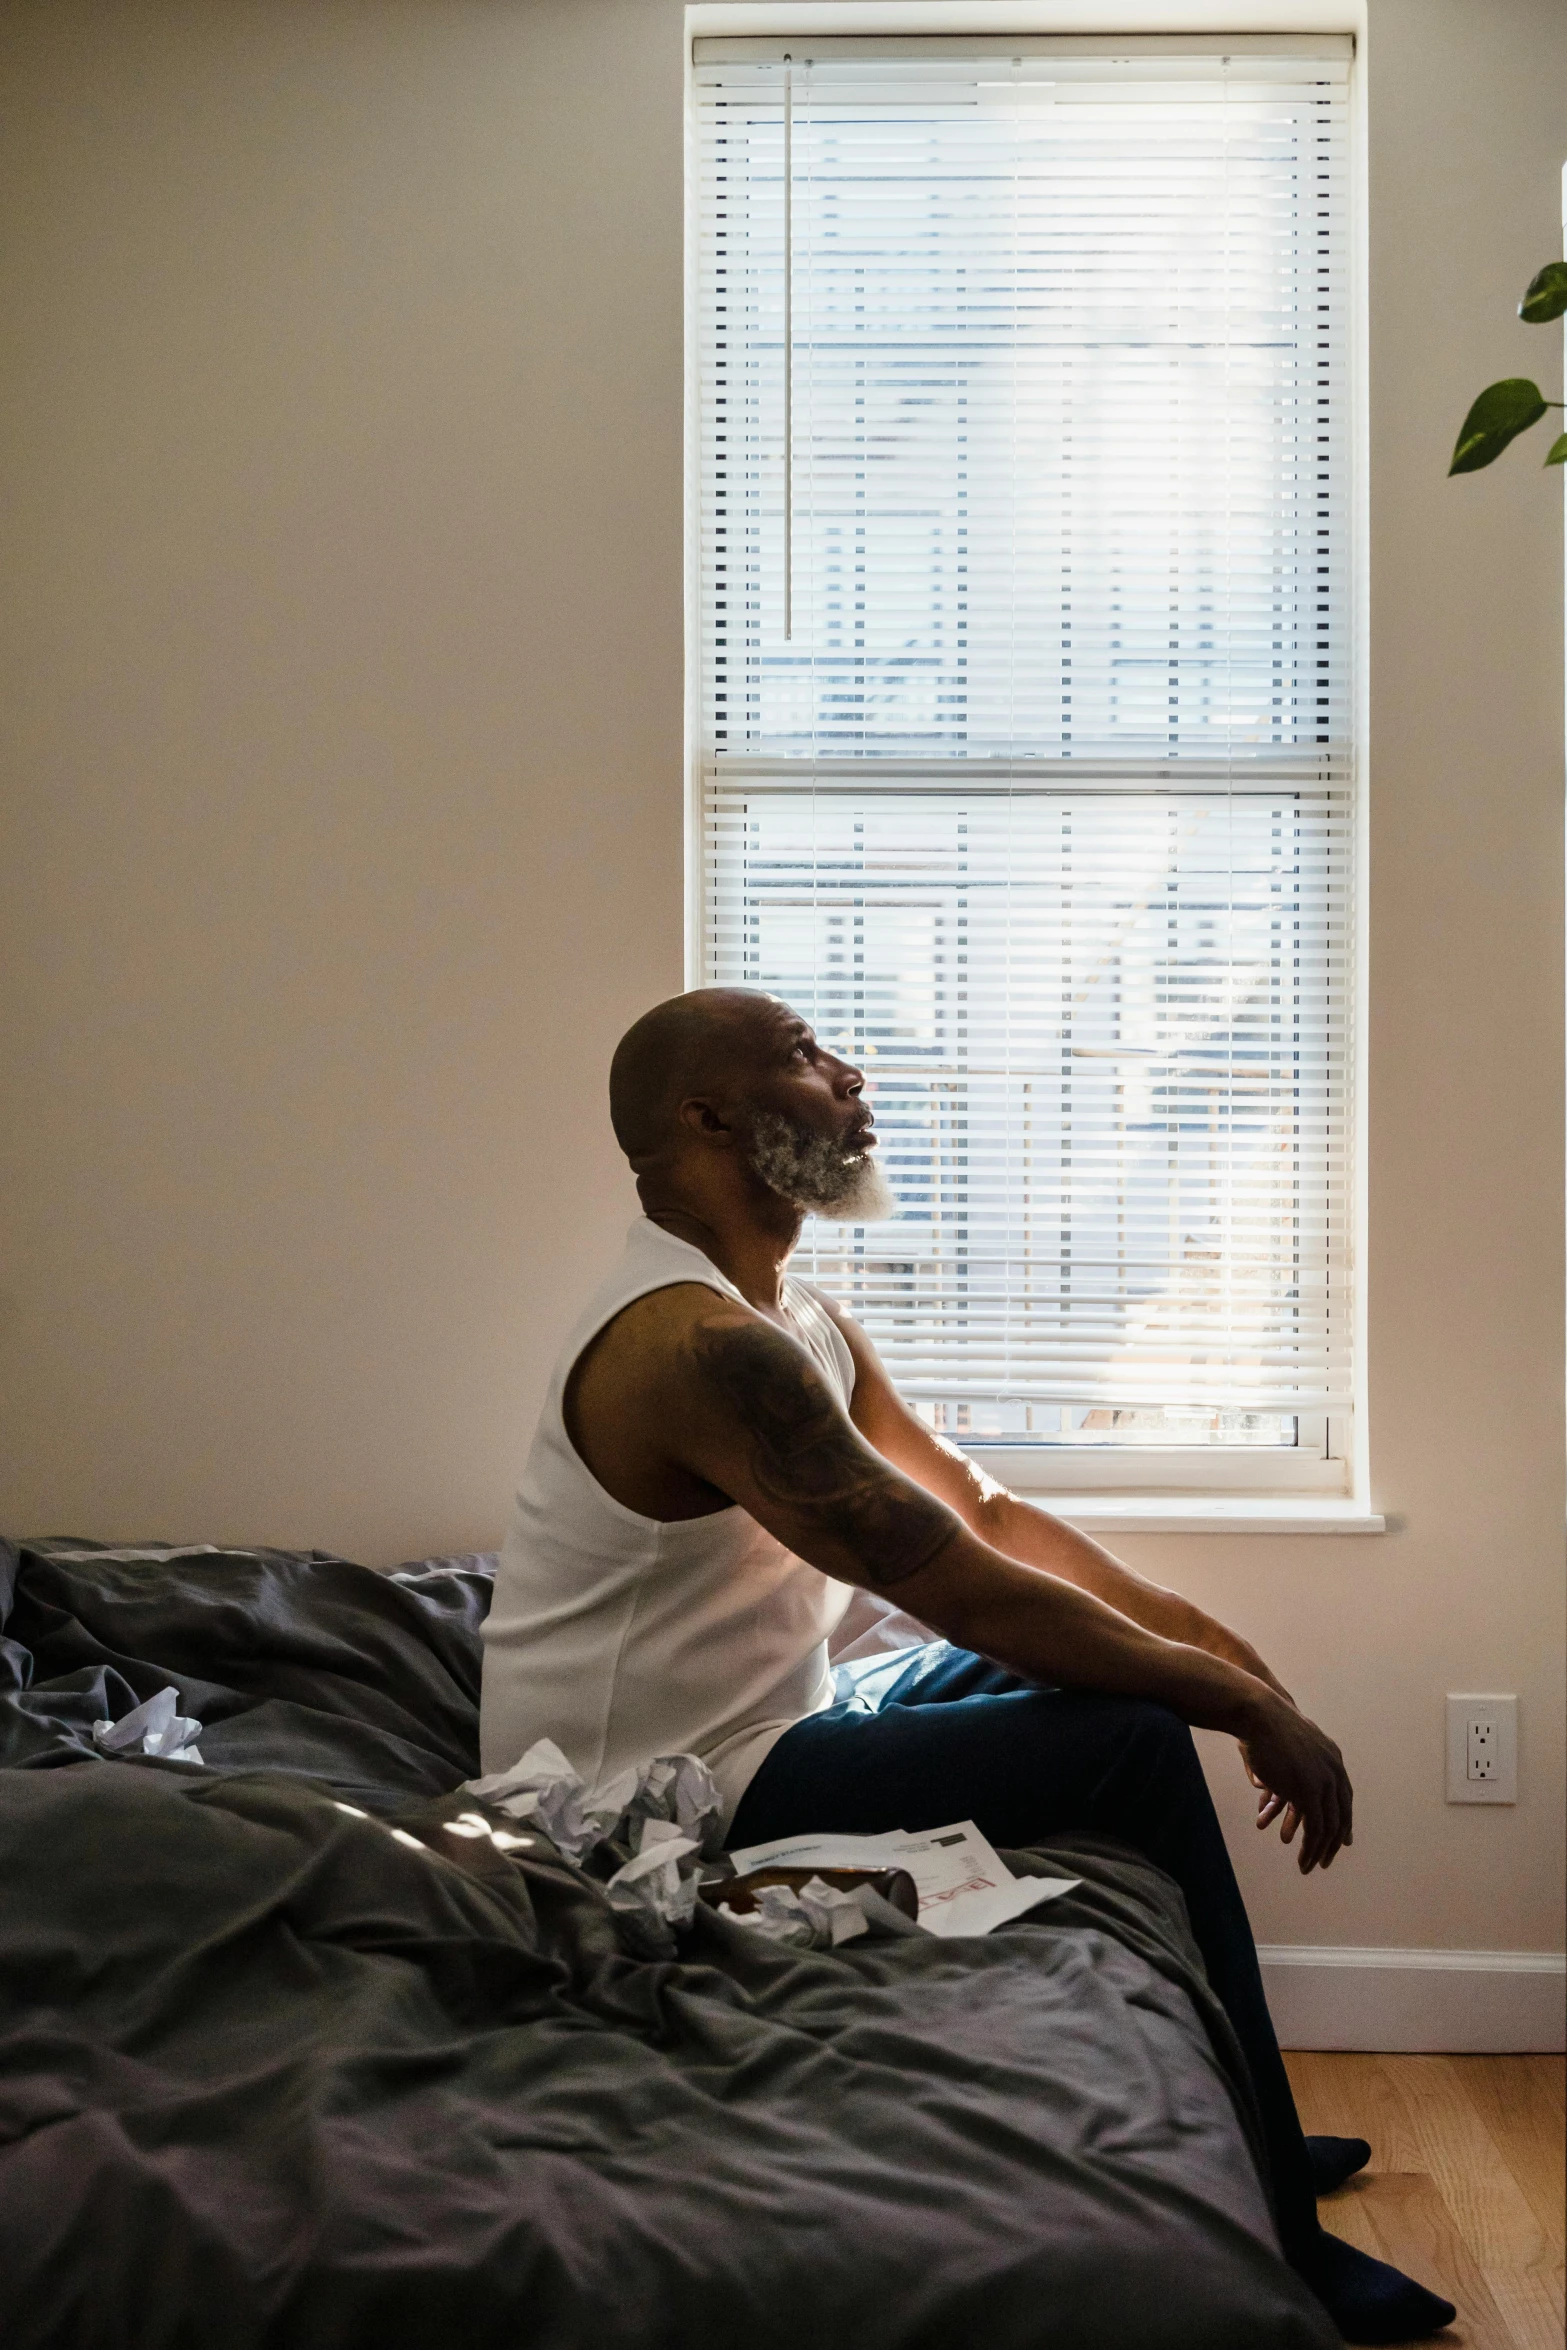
x: 964, y: 1885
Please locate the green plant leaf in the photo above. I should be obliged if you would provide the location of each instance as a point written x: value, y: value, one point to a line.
x: 1546, y: 297
x: 1501, y: 413
x: 1556, y: 454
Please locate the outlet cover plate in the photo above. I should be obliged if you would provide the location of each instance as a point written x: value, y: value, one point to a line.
x: 1482, y: 1748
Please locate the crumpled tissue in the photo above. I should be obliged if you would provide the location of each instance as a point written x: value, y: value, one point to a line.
x: 153, y: 1727
x: 818, y: 1916
x: 654, y: 1820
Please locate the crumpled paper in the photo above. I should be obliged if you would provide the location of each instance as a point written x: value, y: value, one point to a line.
x: 655, y: 1821
x: 543, y: 1787
x: 153, y: 1727
x: 811, y: 1917
x: 679, y: 1788
x: 818, y: 1916
x: 651, y: 1892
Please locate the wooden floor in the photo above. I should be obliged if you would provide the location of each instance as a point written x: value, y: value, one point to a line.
x: 1465, y: 2187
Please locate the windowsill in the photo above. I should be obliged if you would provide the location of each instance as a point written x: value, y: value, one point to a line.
x: 1209, y: 1513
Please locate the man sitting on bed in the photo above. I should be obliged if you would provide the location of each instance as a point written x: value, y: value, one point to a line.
x: 721, y: 1456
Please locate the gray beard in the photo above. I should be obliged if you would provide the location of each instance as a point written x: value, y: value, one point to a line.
x: 816, y: 1174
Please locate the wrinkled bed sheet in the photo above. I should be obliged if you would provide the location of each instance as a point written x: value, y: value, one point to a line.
x: 271, y: 2073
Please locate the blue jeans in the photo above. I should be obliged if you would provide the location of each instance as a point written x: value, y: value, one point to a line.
x: 954, y: 1737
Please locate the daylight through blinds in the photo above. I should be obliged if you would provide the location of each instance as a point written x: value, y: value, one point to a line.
x: 1039, y: 801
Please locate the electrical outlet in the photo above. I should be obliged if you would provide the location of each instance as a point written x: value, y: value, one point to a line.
x: 1482, y: 1743
x: 1482, y: 1749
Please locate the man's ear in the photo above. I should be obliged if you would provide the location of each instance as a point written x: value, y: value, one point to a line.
x: 703, y: 1119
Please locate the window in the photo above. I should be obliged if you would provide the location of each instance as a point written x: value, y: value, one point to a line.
x: 1026, y: 759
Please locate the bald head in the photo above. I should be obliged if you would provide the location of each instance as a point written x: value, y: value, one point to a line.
x: 704, y: 1042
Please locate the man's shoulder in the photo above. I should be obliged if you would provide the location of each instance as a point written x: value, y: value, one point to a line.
x: 870, y: 1373
x: 656, y: 1329
x: 842, y: 1320
x: 681, y: 1354
x: 644, y: 1363
x: 829, y: 1305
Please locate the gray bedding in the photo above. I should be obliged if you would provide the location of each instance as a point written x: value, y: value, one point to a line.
x: 270, y: 2074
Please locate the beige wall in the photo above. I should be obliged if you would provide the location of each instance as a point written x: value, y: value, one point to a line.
x: 342, y: 823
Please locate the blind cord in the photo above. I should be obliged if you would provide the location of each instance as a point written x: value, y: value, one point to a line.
x: 788, y: 353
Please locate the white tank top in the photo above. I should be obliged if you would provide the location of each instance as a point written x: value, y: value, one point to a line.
x: 622, y: 1637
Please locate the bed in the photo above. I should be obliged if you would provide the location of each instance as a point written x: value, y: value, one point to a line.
x: 282, y: 2063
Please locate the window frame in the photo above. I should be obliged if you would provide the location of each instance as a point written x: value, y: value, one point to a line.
x: 1326, y: 1472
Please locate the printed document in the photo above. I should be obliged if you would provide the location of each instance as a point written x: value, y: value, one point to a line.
x: 964, y: 1885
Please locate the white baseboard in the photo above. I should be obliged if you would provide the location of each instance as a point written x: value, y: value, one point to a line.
x: 1475, y: 2002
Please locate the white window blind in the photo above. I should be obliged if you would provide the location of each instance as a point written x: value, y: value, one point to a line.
x: 1027, y: 770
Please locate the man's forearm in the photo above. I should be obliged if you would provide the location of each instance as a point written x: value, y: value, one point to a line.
x: 1050, y: 1629
x: 1036, y: 1539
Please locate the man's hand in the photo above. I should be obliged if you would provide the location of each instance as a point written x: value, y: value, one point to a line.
x: 1302, y: 1776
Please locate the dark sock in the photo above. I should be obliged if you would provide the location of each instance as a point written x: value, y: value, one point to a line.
x: 1367, y: 2300
x: 1333, y: 2160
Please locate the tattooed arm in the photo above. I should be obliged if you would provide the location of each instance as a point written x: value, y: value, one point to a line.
x: 848, y: 1511
x: 1019, y: 1528
x: 757, y: 1421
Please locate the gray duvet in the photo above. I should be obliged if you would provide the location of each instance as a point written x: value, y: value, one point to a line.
x: 270, y: 2074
